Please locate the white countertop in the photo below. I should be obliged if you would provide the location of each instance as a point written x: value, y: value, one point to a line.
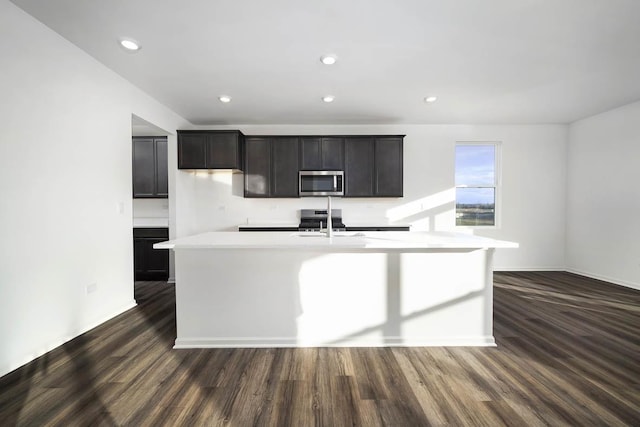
x: 290, y: 225
x: 342, y: 241
x: 269, y: 225
x: 150, y: 222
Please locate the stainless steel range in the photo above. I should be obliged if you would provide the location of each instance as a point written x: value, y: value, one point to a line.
x: 316, y: 219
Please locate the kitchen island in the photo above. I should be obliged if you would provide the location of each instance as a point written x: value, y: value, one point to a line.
x: 297, y: 289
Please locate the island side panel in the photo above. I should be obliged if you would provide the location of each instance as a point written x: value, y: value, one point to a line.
x: 271, y: 298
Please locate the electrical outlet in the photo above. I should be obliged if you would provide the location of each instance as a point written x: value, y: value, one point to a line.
x: 91, y: 288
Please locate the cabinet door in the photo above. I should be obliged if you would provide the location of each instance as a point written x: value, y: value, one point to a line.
x: 139, y: 258
x: 161, y: 167
x: 144, y: 175
x: 388, y: 161
x: 257, y: 171
x: 223, y: 150
x: 157, y: 261
x: 149, y: 263
x: 332, y: 153
x: 284, y: 167
x: 359, y: 166
x: 192, y: 151
x: 310, y: 153
x: 321, y: 153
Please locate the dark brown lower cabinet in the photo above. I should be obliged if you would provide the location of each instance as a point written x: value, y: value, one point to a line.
x: 149, y: 263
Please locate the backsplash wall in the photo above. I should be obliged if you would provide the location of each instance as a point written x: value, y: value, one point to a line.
x: 151, y: 208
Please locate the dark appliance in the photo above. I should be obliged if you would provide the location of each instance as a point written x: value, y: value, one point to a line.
x: 316, y: 219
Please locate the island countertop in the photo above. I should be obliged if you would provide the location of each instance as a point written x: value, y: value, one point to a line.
x: 413, y: 241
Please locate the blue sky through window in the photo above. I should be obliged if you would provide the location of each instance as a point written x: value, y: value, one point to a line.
x: 475, y: 167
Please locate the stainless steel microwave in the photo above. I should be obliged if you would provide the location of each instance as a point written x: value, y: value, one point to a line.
x: 321, y: 183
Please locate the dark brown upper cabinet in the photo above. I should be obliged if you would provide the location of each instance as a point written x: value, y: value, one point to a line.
x: 271, y: 166
x: 373, y: 166
x: 220, y: 149
x: 150, y: 176
x: 284, y: 166
x: 359, y: 166
x: 388, y: 167
x: 257, y: 167
x: 321, y: 153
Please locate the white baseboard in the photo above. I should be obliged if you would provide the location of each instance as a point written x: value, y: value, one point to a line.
x: 604, y: 278
x: 185, y: 343
x: 574, y: 271
x: 553, y: 268
x: 74, y: 334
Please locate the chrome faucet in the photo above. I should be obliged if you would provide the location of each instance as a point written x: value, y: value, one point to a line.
x: 329, y: 220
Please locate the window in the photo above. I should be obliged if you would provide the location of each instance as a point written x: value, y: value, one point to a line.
x: 476, y: 183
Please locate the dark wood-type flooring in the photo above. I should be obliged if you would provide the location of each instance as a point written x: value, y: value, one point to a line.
x: 568, y: 354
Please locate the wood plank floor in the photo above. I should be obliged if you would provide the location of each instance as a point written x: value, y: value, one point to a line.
x: 568, y: 354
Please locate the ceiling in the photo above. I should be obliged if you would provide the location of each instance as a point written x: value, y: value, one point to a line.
x: 491, y: 61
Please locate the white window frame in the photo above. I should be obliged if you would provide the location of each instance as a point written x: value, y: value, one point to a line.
x: 497, y: 184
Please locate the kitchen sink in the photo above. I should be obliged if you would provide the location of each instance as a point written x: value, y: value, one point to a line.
x: 324, y: 235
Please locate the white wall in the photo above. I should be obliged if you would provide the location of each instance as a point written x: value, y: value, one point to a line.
x: 65, y: 188
x: 533, y: 208
x: 603, y: 203
x: 150, y: 208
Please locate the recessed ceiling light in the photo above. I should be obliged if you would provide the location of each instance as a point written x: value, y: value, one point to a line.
x: 328, y: 59
x: 430, y: 99
x: 328, y: 98
x: 130, y: 45
x: 224, y: 98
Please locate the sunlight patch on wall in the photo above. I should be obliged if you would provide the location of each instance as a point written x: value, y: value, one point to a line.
x: 340, y: 281
x: 217, y: 176
x: 432, y: 212
x: 222, y: 177
x: 445, y: 221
